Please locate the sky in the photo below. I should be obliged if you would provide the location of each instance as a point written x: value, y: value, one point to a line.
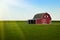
x: 26, y: 9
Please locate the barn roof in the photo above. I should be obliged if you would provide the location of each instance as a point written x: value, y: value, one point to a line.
x: 38, y: 15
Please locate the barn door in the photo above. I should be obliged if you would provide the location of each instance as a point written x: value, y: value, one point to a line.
x: 43, y: 21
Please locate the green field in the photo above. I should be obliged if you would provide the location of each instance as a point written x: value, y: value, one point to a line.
x: 21, y: 30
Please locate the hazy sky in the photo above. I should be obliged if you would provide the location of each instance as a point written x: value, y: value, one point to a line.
x: 26, y: 9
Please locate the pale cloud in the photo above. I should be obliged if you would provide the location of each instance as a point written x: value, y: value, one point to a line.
x: 18, y: 3
x: 5, y: 9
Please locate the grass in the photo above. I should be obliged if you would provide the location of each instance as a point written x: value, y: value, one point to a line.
x: 21, y: 30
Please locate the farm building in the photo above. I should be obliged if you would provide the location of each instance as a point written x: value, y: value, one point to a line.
x: 41, y: 18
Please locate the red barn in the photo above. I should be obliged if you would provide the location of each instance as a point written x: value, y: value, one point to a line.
x: 41, y: 18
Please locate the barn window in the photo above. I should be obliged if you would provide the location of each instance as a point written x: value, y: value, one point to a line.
x: 45, y: 16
